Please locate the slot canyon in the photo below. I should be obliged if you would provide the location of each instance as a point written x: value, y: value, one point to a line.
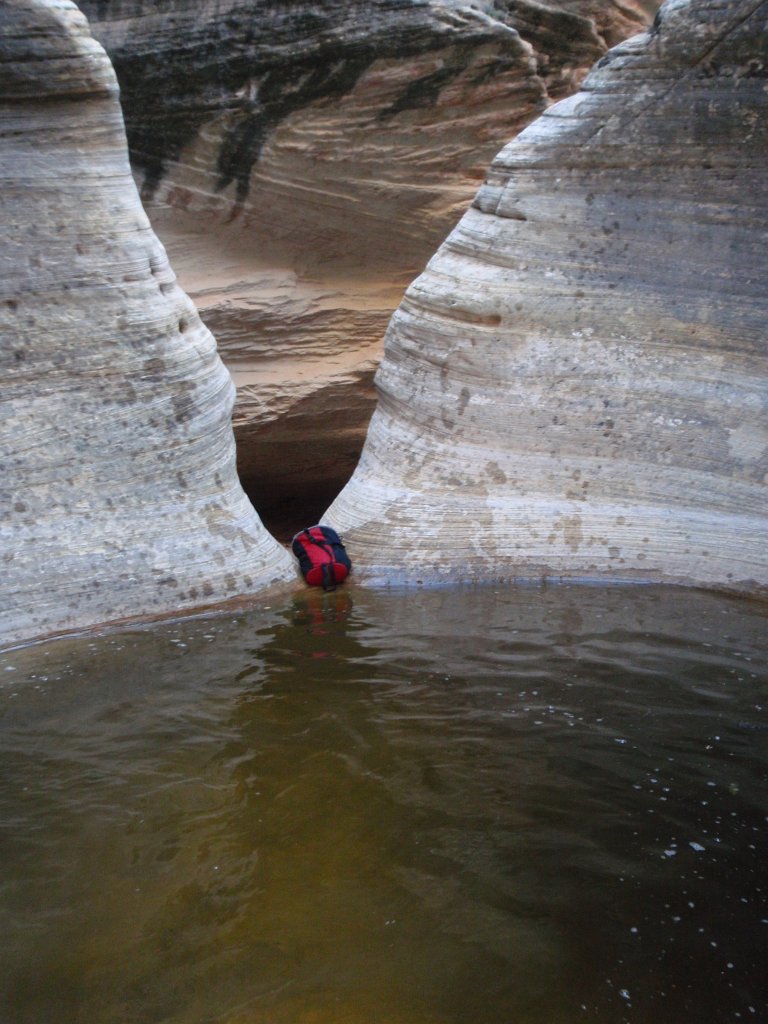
x: 573, y: 387
x: 480, y: 285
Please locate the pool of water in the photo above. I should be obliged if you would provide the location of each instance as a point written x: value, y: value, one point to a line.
x: 471, y: 806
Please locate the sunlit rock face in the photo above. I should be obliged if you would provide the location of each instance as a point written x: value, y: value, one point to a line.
x: 576, y: 385
x: 118, y: 491
x: 302, y: 161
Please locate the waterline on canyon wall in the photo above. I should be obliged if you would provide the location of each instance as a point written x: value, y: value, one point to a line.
x: 486, y: 805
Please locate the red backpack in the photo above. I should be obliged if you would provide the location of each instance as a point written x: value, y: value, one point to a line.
x: 322, y: 558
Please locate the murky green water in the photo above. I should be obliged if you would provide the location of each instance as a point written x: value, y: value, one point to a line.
x: 449, y: 807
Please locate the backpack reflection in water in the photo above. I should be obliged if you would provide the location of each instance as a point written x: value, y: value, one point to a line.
x: 322, y: 557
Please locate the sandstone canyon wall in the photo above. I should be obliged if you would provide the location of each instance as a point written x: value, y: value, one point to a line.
x: 118, y: 490
x: 577, y: 384
x: 301, y: 162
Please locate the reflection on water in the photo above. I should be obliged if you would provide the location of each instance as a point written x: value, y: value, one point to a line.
x: 530, y: 806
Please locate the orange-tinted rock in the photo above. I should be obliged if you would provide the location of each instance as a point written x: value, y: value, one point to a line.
x: 302, y: 161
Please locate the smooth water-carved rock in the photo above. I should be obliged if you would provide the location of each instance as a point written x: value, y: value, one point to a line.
x: 118, y: 488
x: 302, y: 161
x: 577, y: 385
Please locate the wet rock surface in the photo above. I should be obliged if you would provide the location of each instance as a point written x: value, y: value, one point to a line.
x: 119, y: 490
x: 301, y: 162
x: 576, y: 385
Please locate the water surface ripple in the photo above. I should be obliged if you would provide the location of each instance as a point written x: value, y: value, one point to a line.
x: 468, y: 806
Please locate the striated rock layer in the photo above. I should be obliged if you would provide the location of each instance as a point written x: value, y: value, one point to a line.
x: 302, y: 161
x: 119, y: 492
x: 577, y: 384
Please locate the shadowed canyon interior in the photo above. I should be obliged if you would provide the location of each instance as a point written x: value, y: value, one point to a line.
x: 471, y: 804
x: 301, y: 162
x: 574, y: 386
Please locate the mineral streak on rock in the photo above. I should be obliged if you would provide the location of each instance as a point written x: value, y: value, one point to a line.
x: 576, y: 386
x: 118, y: 489
x: 302, y: 161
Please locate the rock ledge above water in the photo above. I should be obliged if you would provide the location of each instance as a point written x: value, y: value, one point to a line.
x: 576, y: 386
x: 119, y: 490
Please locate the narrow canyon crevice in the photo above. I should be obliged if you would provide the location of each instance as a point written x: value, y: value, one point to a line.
x: 301, y: 163
x: 292, y: 472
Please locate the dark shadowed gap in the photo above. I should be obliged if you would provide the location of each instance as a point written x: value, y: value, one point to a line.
x: 292, y: 468
x: 284, y: 510
x: 289, y: 494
